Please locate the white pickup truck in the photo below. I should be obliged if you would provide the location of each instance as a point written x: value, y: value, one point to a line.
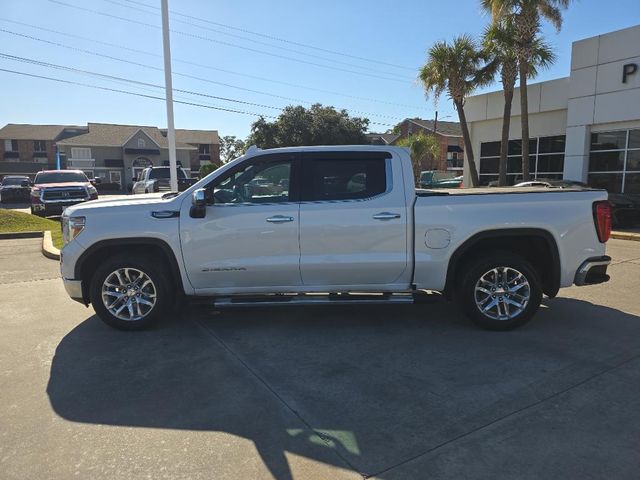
x: 311, y: 225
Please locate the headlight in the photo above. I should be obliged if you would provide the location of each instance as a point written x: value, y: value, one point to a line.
x: 71, y: 227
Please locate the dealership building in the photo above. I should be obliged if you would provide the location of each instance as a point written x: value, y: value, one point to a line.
x: 582, y: 127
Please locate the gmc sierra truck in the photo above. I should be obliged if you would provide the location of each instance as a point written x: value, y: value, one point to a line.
x: 332, y: 225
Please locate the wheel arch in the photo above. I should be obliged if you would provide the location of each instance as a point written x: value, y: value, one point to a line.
x: 85, y: 266
x: 533, y: 244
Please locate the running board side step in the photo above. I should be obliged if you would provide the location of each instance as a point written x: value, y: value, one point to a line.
x: 314, y: 299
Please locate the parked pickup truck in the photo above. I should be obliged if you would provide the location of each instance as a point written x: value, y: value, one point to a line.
x: 156, y: 179
x: 55, y: 190
x: 337, y: 225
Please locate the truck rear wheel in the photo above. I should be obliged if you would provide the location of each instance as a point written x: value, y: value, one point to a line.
x: 130, y: 292
x: 500, y: 291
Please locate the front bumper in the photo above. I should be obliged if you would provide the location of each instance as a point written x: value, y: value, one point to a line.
x: 55, y: 208
x: 593, y: 271
x: 74, y: 289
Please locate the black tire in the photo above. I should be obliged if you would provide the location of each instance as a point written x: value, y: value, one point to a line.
x: 153, y: 269
x: 37, y: 214
x: 477, y: 268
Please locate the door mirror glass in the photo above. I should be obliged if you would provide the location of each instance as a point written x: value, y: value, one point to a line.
x: 25, y: 183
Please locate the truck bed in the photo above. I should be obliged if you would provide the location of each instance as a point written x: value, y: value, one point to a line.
x: 420, y: 192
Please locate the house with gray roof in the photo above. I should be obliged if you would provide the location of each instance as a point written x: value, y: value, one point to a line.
x: 118, y: 153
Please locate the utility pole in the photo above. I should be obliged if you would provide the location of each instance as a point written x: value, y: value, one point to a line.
x: 171, y: 132
x: 435, y: 123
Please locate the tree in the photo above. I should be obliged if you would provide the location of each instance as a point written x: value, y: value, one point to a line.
x: 318, y: 125
x: 231, y: 147
x: 500, y: 46
x: 206, y: 169
x: 457, y: 68
x: 424, y: 148
x: 526, y: 16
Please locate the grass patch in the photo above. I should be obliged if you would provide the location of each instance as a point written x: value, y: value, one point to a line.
x: 12, y: 222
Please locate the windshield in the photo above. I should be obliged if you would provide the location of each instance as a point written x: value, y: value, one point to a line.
x: 14, y: 180
x: 60, y: 177
x: 164, y: 173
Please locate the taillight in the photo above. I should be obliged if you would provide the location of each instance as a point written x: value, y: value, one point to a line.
x: 602, y: 219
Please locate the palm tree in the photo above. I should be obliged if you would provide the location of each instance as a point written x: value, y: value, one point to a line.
x: 457, y: 68
x: 423, y: 147
x: 526, y: 16
x: 499, y: 43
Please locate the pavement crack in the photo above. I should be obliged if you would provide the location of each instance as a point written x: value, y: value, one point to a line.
x: 506, y: 416
x: 30, y: 280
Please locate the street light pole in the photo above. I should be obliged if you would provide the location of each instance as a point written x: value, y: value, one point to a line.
x: 171, y: 132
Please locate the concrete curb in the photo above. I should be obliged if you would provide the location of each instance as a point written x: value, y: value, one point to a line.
x: 48, y: 250
x: 12, y: 235
x: 626, y: 236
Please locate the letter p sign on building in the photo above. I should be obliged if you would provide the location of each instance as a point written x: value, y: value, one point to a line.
x: 628, y: 69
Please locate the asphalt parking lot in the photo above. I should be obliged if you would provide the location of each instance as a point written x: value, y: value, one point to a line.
x: 318, y: 393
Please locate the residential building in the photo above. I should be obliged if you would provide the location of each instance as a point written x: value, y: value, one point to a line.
x: 449, y: 135
x: 26, y: 149
x: 113, y: 153
x: 583, y: 127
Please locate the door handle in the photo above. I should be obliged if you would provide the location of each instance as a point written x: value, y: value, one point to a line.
x: 279, y: 219
x: 386, y: 216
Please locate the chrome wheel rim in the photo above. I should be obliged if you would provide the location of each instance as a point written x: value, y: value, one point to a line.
x: 502, y: 293
x: 128, y: 294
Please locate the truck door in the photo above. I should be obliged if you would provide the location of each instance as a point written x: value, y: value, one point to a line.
x: 249, y: 236
x: 353, y: 219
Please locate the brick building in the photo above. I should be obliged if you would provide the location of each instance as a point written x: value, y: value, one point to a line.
x: 449, y: 135
x: 26, y: 149
x: 113, y: 153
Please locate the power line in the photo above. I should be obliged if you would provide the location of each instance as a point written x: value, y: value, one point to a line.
x: 140, y: 83
x: 259, y: 42
x: 234, y: 45
x: 207, y: 80
x: 136, y: 94
x: 279, y: 39
x: 210, y: 67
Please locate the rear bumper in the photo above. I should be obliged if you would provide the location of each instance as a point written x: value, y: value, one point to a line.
x: 593, y: 271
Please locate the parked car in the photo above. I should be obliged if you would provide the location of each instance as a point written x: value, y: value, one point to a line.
x: 377, y: 240
x: 157, y: 179
x: 15, y: 188
x: 55, y: 190
x: 435, y: 179
x: 625, y: 207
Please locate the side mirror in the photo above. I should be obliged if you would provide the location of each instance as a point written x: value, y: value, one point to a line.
x: 25, y: 183
x: 198, y: 203
x: 98, y: 180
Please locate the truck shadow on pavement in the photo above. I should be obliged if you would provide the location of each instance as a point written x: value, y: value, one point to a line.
x: 359, y: 388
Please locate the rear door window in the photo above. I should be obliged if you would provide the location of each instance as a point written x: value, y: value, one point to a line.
x: 344, y: 178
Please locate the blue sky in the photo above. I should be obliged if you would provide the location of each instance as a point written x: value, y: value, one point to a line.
x: 393, y: 34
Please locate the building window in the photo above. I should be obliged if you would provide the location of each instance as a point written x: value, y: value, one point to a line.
x: 546, y: 159
x: 81, y: 153
x: 39, y: 146
x: 614, y: 161
x: 142, y: 143
x: 10, y: 145
x: 204, y: 149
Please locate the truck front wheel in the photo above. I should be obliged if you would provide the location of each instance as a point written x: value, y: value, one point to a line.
x: 130, y: 293
x: 500, y: 291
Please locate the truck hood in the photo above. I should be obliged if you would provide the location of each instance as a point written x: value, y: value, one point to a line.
x: 67, y: 184
x: 130, y: 202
